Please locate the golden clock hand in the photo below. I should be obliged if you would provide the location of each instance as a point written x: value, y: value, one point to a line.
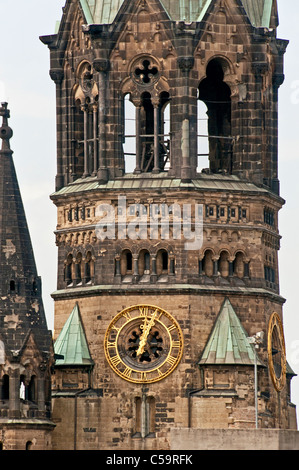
x: 146, y: 329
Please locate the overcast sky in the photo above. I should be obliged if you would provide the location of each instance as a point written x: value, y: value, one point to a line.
x: 25, y: 84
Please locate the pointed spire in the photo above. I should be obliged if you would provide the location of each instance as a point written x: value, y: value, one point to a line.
x: 21, y: 306
x: 71, y: 346
x: 228, y: 342
x: 5, y: 131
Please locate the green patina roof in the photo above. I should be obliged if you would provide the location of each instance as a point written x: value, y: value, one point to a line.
x: 187, y: 10
x: 149, y: 181
x: 101, y: 11
x: 259, y: 12
x: 228, y: 343
x: 105, y: 11
x: 72, y: 343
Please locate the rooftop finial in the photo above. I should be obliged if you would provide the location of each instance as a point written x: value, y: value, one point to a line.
x: 5, y: 131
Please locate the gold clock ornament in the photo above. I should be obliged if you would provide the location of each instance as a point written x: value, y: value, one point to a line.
x: 143, y: 344
x: 276, y: 352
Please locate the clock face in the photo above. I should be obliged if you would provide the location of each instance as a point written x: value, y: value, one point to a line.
x: 276, y: 352
x: 143, y: 344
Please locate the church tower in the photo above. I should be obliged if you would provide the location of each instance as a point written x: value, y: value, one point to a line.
x: 167, y: 196
x: 26, y: 352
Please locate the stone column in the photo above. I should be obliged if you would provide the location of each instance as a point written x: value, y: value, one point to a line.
x: 85, y: 111
x: 57, y: 76
x: 14, y: 394
x: 95, y: 139
x: 185, y: 64
x: 138, y: 141
x: 102, y: 66
x: 156, y: 168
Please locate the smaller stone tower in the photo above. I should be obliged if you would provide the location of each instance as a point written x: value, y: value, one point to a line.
x: 25, y: 341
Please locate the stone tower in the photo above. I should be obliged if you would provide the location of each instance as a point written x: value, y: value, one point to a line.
x: 167, y: 197
x: 26, y: 353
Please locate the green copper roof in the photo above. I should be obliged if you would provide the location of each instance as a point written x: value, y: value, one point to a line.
x: 228, y: 343
x: 105, y: 11
x: 100, y: 11
x: 259, y: 12
x: 72, y: 343
x: 187, y: 10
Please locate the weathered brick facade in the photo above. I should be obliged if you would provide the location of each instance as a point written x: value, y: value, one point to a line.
x: 161, y: 59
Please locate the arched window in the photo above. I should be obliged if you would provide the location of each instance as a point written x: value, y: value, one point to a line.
x: 162, y: 262
x: 85, y: 123
x: 68, y: 273
x: 29, y: 445
x: 129, y: 141
x: 147, y: 133
x: 126, y: 265
x: 216, y: 94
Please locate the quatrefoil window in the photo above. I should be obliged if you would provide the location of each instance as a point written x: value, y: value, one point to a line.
x: 145, y: 71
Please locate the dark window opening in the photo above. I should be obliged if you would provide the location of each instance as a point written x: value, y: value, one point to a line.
x: 216, y: 95
x: 5, y: 388
x: 12, y: 286
x: 28, y: 445
x: 129, y: 260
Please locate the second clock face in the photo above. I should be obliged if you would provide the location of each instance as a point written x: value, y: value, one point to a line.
x: 143, y: 344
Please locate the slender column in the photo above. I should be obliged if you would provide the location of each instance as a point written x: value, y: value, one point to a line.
x: 102, y: 66
x: 57, y: 76
x: 154, y: 269
x: 117, y: 269
x: 136, y: 273
x: 14, y: 394
x: 215, y: 265
x: 138, y: 142
x: 41, y: 396
x: 95, y: 143
x: 156, y: 168
x: 85, y: 111
x: 185, y: 64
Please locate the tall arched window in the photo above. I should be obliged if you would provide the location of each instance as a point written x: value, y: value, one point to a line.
x: 162, y: 262
x: 126, y: 266
x: 202, y: 136
x: 129, y: 141
x: 68, y: 273
x: 216, y: 94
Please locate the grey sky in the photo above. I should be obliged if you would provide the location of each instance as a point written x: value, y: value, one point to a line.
x: 26, y: 85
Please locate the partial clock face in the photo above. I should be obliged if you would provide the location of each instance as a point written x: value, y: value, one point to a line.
x: 276, y: 352
x: 143, y: 344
